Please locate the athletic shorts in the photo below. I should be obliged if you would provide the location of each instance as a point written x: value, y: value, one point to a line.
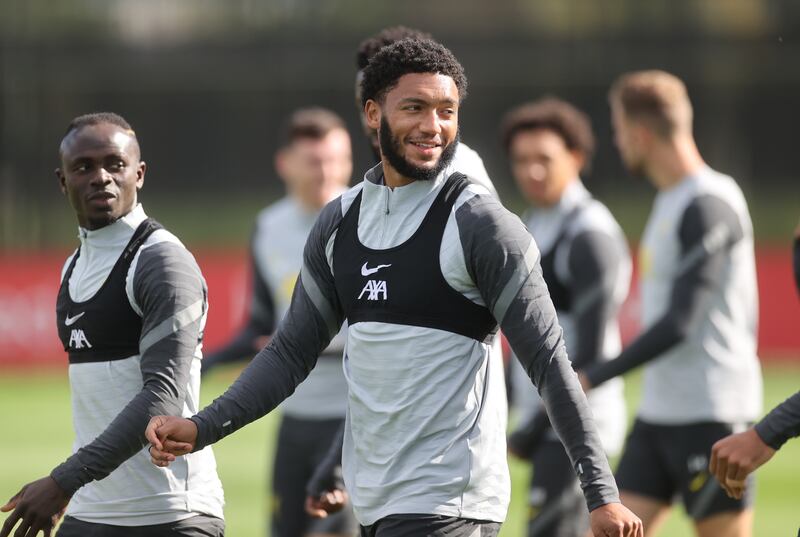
x: 664, y: 461
x: 302, y: 444
x: 430, y: 526
x: 556, y: 506
x: 196, y: 526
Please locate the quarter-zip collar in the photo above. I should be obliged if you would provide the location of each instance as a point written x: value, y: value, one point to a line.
x: 113, y: 235
x: 389, y: 216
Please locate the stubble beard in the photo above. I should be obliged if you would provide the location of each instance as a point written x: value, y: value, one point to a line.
x: 391, y: 149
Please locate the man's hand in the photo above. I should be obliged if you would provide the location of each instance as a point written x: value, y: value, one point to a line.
x: 615, y: 520
x: 37, y: 507
x: 735, y: 457
x: 170, y: 437
x: 328, y: 502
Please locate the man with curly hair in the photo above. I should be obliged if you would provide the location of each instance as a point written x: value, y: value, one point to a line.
x: 423, y: 265
x: 466, y: 160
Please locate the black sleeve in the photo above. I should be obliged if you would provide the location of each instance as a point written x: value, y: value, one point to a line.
x: 503, y: 261
x: 171, y: 292
x: 709, y: 228
x: 261, y: 322
x: 327, y: 475
x: 781, y: 424
x: 313, y: 318
x: 594, y: 265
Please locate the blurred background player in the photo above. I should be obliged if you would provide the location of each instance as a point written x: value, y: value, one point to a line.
x: 316, y: 164
x: 736, y: 456
x: 699, y: 305
x: 586, y: 265
x: 325, y: 485
x: 131, y: 311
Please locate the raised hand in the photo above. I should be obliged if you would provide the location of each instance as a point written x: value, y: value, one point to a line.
x: 170, y: 437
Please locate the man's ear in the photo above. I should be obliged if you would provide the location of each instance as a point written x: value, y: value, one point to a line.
x: 579, y: 158
x: 62, y: 182
x: 372, y: 114
x: 140, y: 174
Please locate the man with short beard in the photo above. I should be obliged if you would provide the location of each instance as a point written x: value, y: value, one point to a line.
x: 465, y: 159
x: 423, y: 266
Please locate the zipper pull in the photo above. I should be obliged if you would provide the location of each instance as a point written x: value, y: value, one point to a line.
x: 387, y: 200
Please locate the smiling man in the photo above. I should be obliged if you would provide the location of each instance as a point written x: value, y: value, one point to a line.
x: 424, y: 446
x: 130, y: 313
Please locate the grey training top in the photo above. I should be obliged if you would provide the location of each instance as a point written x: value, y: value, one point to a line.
x: 425, y: 431
x: 699, y: 308
x: 110, y: 473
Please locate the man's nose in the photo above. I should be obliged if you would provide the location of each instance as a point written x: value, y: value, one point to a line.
x: 101, y: 177
x: 429, y: 123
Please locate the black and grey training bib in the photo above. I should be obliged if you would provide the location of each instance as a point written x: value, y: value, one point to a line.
x: 404, y: 284
x: 104, y: 327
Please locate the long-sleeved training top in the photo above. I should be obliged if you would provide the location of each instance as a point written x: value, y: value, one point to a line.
x: 424, y: 430
x: 114, y: 394
x: 699, y: 308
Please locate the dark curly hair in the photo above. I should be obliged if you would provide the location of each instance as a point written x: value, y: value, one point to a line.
x: 409, y: 56
x: 371, y: 45
x: 556, y: 115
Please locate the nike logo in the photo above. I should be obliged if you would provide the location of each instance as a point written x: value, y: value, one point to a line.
x: 367, y: 271
x: 69, y: 321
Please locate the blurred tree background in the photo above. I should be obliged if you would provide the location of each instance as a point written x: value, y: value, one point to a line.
x: 207, y: 85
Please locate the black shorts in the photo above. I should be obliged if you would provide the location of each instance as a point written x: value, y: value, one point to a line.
x: 302, y: 444
x: 664, y: 461
x: 430, y: 526
x: 556, y: 506
x: 196, y: 526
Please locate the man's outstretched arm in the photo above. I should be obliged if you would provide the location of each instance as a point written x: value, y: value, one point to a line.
x: 169, y: 290
x: 312, y: 320
x: 708, y: 229
x: 503, y: 261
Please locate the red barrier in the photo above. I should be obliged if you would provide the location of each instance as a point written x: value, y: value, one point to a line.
x: 29, y: 284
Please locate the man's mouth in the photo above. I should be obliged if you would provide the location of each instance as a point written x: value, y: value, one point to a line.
x: 102, y: 196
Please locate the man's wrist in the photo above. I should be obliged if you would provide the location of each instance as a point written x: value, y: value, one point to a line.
x: 71, y: 475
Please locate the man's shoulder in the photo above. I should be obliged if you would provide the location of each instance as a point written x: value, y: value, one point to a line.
x: 594, y: 216
x: 273, y: 214
x: 163, y: 250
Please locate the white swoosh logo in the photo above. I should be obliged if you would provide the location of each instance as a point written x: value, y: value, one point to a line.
x: 367, y: 271
x: 69, y: 321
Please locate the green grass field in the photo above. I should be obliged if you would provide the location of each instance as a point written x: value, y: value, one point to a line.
x: 35, y: 413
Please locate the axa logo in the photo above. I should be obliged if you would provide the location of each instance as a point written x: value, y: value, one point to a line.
x: 375, y: 290
x: 77, y: 339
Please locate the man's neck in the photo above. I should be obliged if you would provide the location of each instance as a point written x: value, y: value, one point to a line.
x: 675, y: 161
x: 392, y: 178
